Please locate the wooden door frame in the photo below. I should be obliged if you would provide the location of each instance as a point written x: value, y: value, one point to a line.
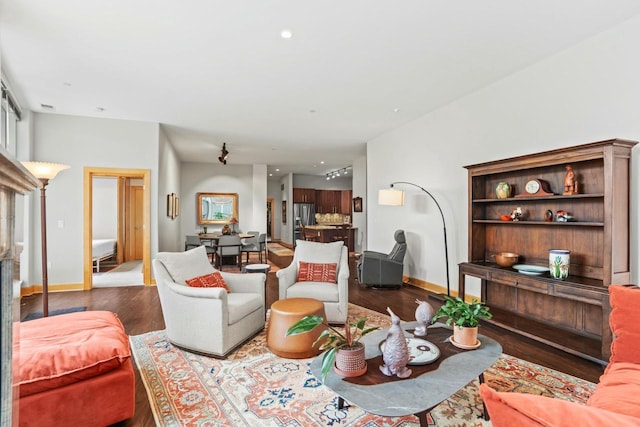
x: 270, y: 231
x: 89, y: 174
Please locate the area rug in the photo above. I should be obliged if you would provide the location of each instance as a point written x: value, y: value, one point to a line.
x: 126, y: 274
x: 279, y: 250
x: 38, y: 314
x: 254, y: 387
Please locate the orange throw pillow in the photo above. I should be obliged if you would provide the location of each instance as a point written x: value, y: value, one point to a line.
x: 311, y: 272
x: 213, y: 280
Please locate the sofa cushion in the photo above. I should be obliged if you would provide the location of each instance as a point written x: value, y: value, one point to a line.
x: 527, y: 410
x: 618, y: 389
x: 313, y: 272
x: 211, y: 280
x: 60, y: 350
x: 182, y: 266
x: 624, y: 320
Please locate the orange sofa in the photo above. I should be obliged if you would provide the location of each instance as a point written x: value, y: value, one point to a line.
x: 74, y: 370
x: 615, y: 400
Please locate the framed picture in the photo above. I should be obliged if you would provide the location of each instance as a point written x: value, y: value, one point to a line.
x: 357, y: 204
x: 284, y: 211
x: 170, y: 205
x: 176, y: 206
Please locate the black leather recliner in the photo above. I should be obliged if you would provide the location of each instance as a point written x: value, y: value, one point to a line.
x: 380, y: 270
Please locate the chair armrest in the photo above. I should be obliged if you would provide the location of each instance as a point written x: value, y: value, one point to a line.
x: 249, y: 283
x: 373, y: 254
x: 286, y: 277
x: 378, y: 271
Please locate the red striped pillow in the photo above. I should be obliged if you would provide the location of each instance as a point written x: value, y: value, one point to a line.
x: 312, y: 272
x: 212, y: 280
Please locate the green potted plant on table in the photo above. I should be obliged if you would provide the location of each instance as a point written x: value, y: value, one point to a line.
x: 344, y: 352
x: 465, y: 318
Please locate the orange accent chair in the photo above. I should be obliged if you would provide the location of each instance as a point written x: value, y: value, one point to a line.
x: 615, y: 400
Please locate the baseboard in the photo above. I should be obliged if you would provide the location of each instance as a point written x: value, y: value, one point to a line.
x: 58, y: 287
x: 437, y: 289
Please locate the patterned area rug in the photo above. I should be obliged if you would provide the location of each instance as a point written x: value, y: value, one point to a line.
x: 254, y: 387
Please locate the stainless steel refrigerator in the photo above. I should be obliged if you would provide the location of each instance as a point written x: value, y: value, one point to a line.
x: 305, y: 214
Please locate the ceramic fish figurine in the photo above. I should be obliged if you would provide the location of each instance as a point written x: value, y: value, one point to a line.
x: 396, y: 352
x: 424, y: 316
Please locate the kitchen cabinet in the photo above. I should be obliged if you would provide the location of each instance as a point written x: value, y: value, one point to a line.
x: 570, y: 314
x: 304, y: 195
x: 346, y: 202
x: 328, y: 201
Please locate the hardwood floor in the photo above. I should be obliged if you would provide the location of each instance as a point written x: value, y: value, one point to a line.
x: 139, y: 310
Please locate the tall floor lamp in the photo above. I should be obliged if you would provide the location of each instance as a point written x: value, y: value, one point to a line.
x: 392, y: 197
x: 44, y: 172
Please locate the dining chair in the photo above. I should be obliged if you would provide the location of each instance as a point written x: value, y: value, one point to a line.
x: 229, y: 246
x: 257, y: 244
x: 195, y: 241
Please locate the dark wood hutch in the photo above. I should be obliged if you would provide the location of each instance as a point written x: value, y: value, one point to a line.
x: 570, y: 314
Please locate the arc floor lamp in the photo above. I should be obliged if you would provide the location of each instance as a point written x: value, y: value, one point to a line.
x: 44, y: 172
x: 393, y: 197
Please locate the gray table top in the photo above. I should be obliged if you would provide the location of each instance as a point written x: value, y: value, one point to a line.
x: 412, y: 395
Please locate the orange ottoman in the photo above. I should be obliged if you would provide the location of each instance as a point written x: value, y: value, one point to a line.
x: 74, y: 369
x: 285, y: 313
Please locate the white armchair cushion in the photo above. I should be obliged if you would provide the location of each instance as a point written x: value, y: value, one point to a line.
x: 321, y: 253
x: 241, y: 305
x: 322, y: 291
x: 183, y: 266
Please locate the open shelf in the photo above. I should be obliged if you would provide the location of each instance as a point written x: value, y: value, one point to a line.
x: 573, y: 314
x: 544, y: 223
x: 585, y: 347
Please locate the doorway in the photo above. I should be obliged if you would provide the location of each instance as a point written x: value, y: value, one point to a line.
x: 133, y: 215
x: 270, y: 213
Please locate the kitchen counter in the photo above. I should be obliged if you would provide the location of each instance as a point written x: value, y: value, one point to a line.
x: 325, y: 227
x: 327, y: 232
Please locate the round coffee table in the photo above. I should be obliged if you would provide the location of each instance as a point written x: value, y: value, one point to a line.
x: 284, y: 313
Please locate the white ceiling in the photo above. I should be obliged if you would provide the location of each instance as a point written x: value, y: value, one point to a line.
x: 215, y: 71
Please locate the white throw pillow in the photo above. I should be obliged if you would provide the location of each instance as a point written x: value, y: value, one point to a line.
x: 320, y: 253
x: 186, y: 265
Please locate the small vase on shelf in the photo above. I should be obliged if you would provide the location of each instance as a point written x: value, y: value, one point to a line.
x: 503, y: 190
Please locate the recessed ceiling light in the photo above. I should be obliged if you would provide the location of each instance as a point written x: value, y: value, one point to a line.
x: 67, y: 84
x: 396, y: 110
x: 312, y: 111
x: 277, y: 170
x: 47, y: 107
x: 99, y: 109
x: 286, y: 34
x: 270, y: 174
x: 322, y: 162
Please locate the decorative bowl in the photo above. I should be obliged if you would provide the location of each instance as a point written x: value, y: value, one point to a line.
x: 505, y: 217
x: 506, y: 259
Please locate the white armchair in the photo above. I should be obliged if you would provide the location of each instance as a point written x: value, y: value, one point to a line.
x: 207, y: 320
x: 334, y: 296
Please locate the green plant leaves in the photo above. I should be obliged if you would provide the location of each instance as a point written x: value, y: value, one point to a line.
x: 459, y: 313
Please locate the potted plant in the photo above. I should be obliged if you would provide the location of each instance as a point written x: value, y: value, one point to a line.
x: 344, y: 352
x: 464, y: 317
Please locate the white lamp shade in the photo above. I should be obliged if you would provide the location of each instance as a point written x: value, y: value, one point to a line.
x: 391, y: 197
x: 44, y: 170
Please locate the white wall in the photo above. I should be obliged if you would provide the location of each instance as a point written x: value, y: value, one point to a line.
x: 81, y: 142
x: 213, y: 178
x: 587, y: 93
x: 170, y: 238
x: 105, y: 208
x: 321, y: 182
